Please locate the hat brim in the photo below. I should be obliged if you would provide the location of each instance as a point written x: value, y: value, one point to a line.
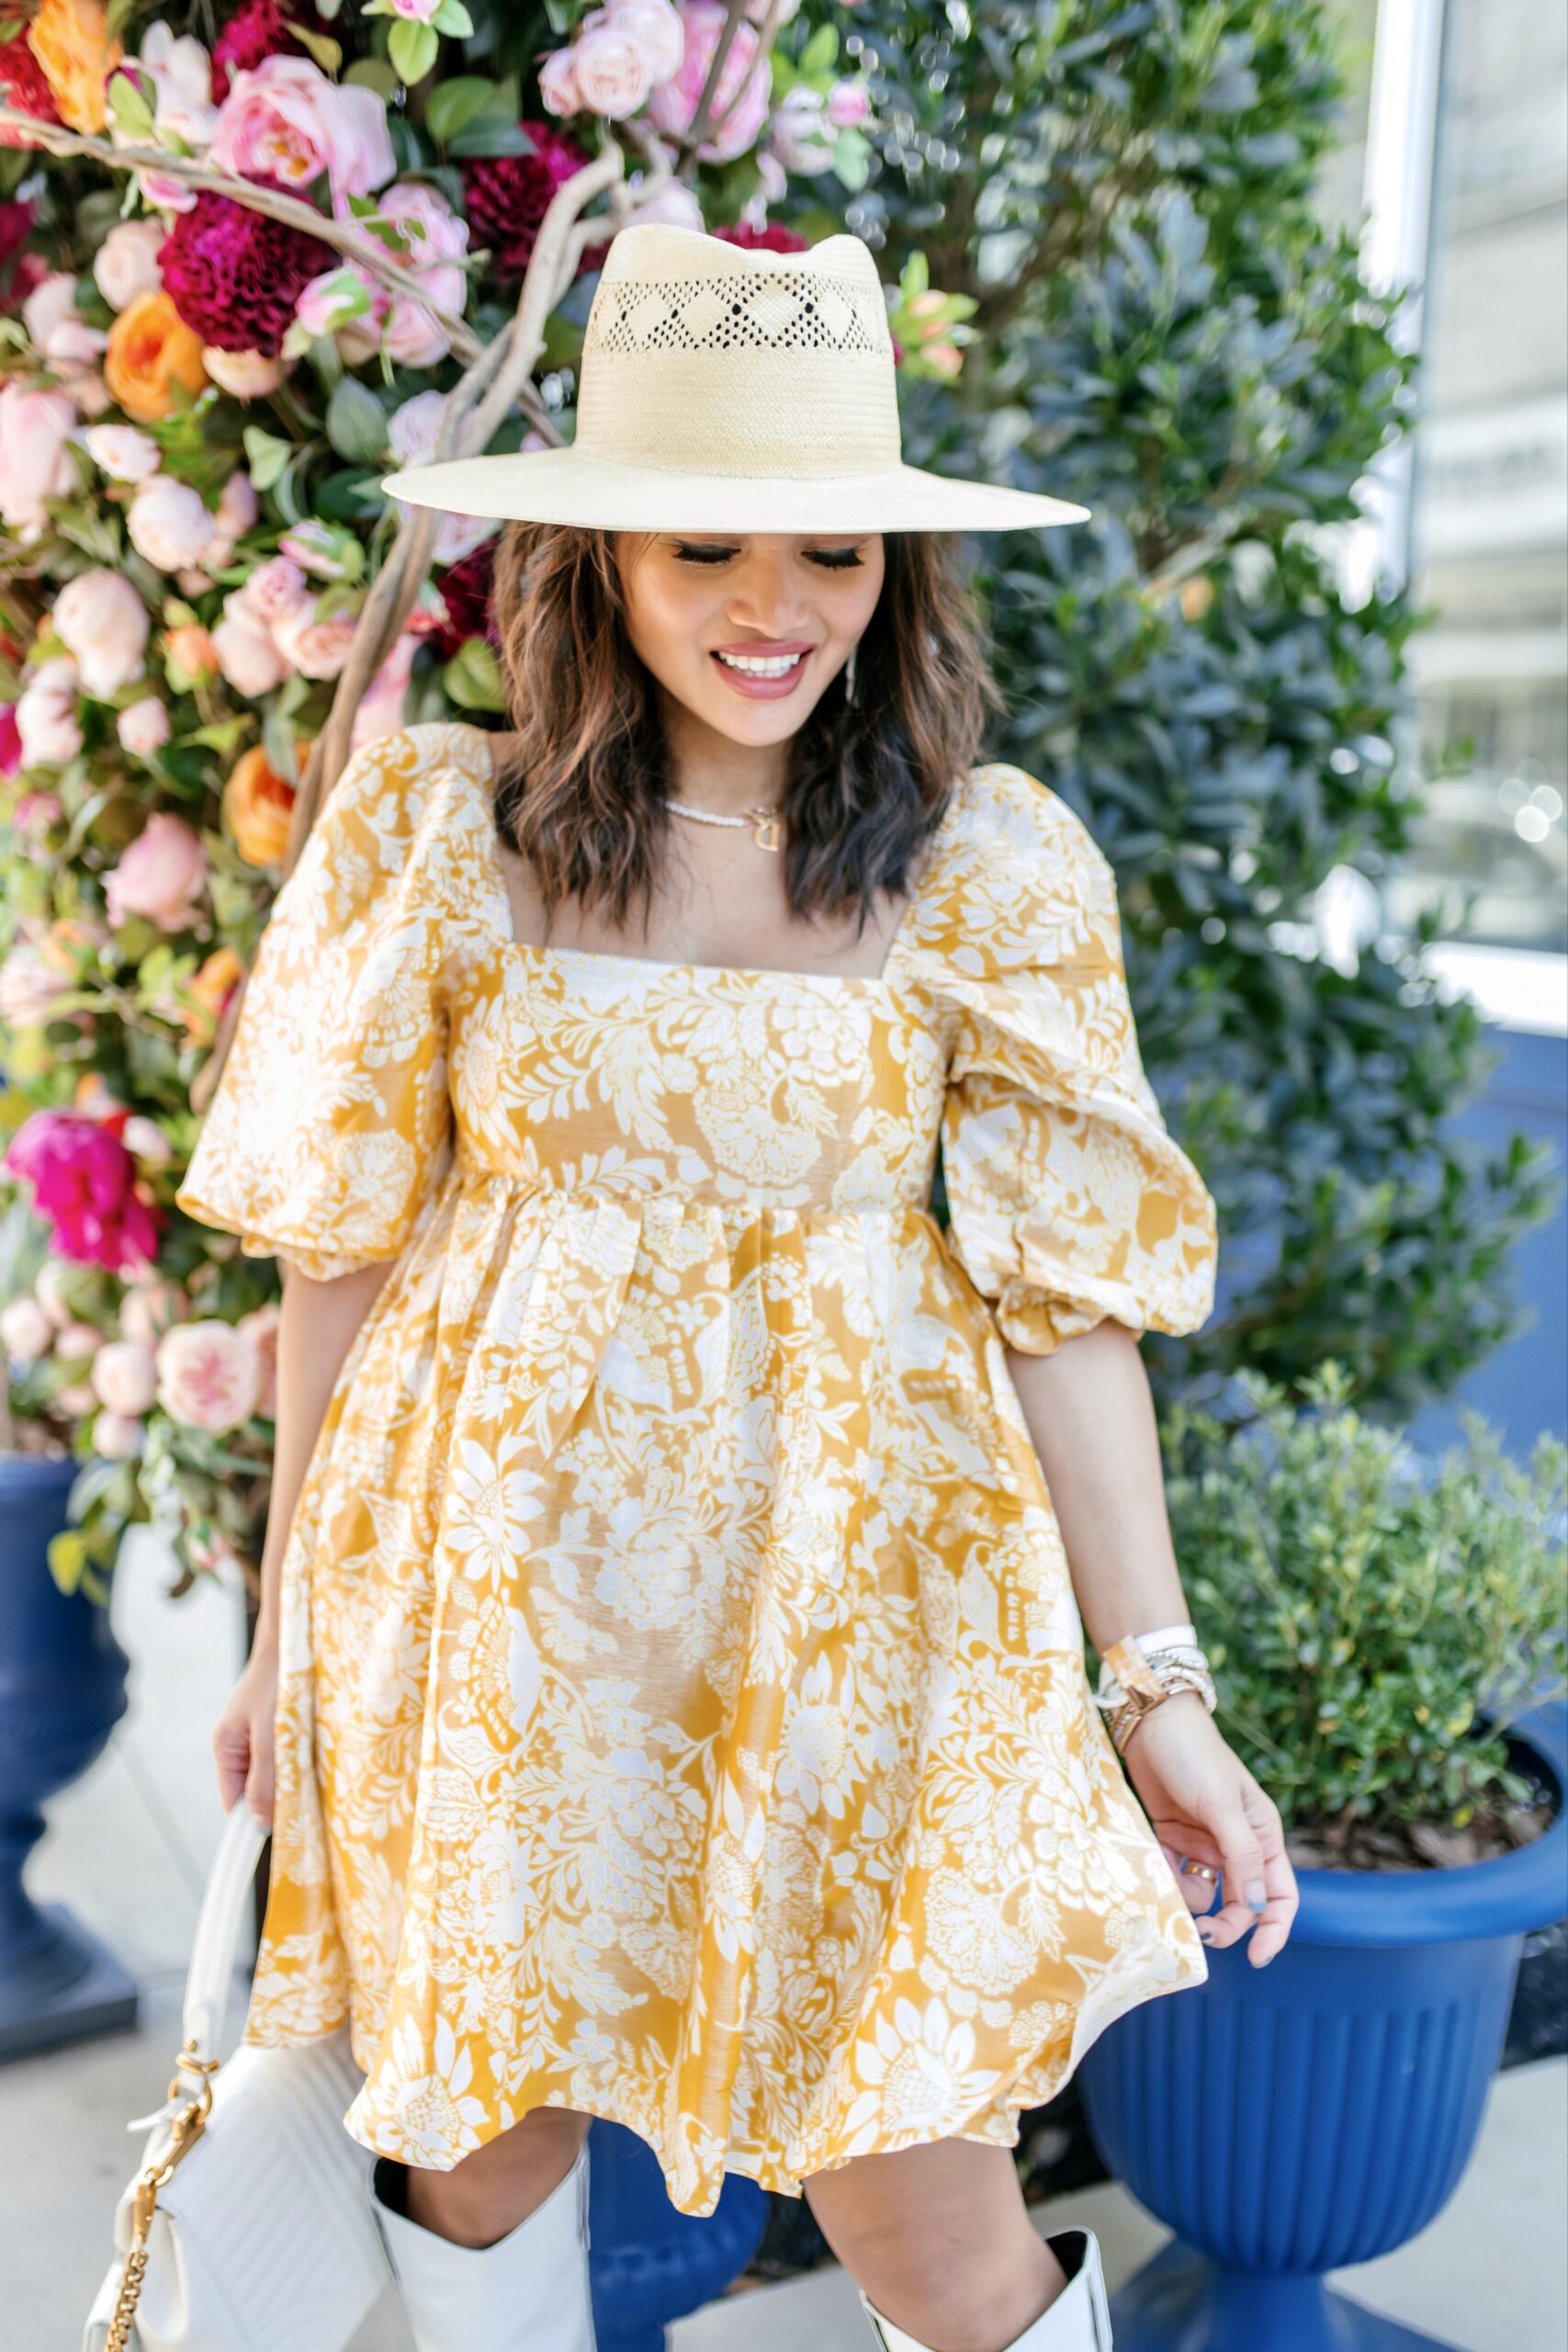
x: 597, y: 493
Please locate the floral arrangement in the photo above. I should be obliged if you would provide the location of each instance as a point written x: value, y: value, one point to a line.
x: 239, y: 278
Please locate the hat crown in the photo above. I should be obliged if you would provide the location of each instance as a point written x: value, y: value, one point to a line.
x: 743, y: 363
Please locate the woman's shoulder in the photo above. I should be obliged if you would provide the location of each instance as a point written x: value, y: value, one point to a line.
x: 1015, y: 872
x: 404, y: 819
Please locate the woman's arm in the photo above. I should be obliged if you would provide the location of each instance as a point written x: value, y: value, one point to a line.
x: 1090, y: 1414
x: 317, y: 1325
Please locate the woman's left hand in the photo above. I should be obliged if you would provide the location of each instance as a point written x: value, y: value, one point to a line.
x: 1204, y: 1803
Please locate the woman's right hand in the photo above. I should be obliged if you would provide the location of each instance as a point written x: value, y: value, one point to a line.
x: 242, y: 1738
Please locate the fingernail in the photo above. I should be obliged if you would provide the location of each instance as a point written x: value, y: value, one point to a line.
x: 1205, y: 1931
x: 1257, y: 1894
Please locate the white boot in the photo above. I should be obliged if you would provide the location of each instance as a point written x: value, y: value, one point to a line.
x: 1079, y: 2321
x: 528, y: 2292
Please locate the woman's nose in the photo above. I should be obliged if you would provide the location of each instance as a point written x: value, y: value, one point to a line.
x: 769, y: 597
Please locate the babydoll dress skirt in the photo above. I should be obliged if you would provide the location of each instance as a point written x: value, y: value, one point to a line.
x: 683, y: 1713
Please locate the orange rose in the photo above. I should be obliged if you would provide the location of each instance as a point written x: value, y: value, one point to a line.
x: 150, y: 349
x: 258, y: 803
x: 71, y: 40
x: 191, y: 649
x: 210, y: 986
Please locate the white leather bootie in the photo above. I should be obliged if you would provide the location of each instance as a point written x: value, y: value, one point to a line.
x: 1079, y: 2321
x: 528, y: 2292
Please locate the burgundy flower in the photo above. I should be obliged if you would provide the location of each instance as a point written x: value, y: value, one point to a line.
x: 24, y: 87
x: 505, y: 197
x: 775, y: 239
x: 82, y: 1182
x: 234, y: 275
x: 260, y: 28
x: 464, y: 589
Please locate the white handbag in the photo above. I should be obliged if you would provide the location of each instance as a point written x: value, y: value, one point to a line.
x: 249, y: 2227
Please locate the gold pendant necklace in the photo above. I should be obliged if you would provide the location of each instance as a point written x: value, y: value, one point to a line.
x: 764, y: 822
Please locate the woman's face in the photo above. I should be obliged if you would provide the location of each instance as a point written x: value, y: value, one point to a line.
x: 745, y: 631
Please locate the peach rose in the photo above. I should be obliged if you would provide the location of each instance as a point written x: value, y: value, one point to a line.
x: 117, y: 1436
x: 35, y: 464
x: 26, y: 1330
x: 151, y: 350
x: 209, y: 988
x: 122, y: 451
x: 210, y: 1375
x: 247, y: 654
x: 245, y: 375
x: 75, y: 1339
x: 45, y: 714
x: 161, y: 875
x: 71, y: 40
x: 192, y: 653
x: 259, y: 803
x: 126, y: 264
x: 169, y: 523
x: 125, y: 1374
x: 317, y: 648
x: 77, y: 1401
x: 100, y: 618
x: 143, y: 726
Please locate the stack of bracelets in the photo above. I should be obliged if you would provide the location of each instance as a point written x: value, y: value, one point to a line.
x: 1140, y: 1670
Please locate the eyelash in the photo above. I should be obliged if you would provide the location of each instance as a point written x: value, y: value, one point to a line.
x: 842, y: 558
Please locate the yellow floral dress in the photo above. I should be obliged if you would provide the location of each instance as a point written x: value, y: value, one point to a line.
x: 682, y: 1711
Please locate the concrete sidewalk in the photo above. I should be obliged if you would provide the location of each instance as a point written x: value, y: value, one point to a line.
x: 127, y: 1849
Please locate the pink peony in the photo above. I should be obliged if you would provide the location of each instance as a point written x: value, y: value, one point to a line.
x: 234, y: 275
x: 284, y: 121
x: 673, y: 105
x: 100, y: 618
x: 46, y: 724
x: 276, y: 589
x: 210, y: 1375
x: 34, y: 427
x: 83, y: 1184
x: 124, y: 1375
x: 161, y: 875
x: 168, y: 523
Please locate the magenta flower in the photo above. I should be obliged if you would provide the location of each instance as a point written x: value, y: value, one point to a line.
x: 83, y: 1182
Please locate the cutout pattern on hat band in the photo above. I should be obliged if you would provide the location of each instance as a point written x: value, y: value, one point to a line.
x: 766, y: 312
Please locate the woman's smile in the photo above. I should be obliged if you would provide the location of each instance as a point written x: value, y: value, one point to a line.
x: 763, y: 672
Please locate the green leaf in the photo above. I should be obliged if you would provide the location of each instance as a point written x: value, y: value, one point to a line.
x: 413, y: 49
x: 456, y: 102
x: 328, y: 53
x: 131, y: 109
x: 454, y: 18
x: 489, y: 137
x: 356, y: 423
x: 819, y: 56
x: 851, y: 159
x: 472, y: 677
x: 373, y: 73
x: 266, y: 454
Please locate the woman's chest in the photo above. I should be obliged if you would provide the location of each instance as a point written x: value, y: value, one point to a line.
x: 801, y: 1091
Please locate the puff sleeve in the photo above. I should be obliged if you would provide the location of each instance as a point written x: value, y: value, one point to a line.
x: 330, y: 1122
x: 1068, y: 1200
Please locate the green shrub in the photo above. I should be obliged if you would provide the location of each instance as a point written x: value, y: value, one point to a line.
x: 1362, y: 1605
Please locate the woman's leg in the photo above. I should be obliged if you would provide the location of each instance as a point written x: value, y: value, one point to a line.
x: 939, y: 2238
x: 485, y: 2195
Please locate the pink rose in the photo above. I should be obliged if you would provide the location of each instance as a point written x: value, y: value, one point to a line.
x: 284, y: 120
x: 798, y: 132
x: 210, y: 1375
x: 46, y: 714
x: 169, y: 523
x: 25, y: 1330
x: 101, y: 619
x: 117, y: 1436
x: 150, y: 1308
x: 125, y: 1374
x: 238, y: 509
x: 558, y: 92
x: 243, y: 375
x: 122, y: 451
x: 247, y: 655
x: 143, y: 726
x: 316, y: 545
x: 57, y: 327
x: 316, y: 648
x: 161, y: 875
x: 77, y: 1342
x: 674, y: 103
x: 82, y: 1182
x: 332, y: 297
x: 411, y: 436
x: 34, y: 427
x: 849, y: 105
x: 77, y: 1401
x: 276, y: 589
x: 438, y: 242
x: 35, y: 812
x: 613, y: 75
x: 656, y: 30
x: 675, y: 206
x: 146, y: 1141
x: 126, y: 264
x: 52, y: 1287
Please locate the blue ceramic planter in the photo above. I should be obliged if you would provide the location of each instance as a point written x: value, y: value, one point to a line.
x: 1286, y: 2120
x: 62, y: 1692
x: 649, y: 2263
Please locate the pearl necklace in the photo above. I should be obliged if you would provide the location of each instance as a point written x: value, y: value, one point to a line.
x: 764, y: 822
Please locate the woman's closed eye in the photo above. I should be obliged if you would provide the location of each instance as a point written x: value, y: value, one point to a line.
x: 707, y: 552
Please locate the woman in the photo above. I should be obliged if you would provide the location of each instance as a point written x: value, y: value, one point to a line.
x: 668, y: 1642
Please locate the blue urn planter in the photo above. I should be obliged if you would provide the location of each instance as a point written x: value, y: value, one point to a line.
x: 648, y: 2263
x: 62, y: 1692
x: 1286, y: 2120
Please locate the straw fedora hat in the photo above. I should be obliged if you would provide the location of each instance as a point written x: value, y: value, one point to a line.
x: 722, y: 390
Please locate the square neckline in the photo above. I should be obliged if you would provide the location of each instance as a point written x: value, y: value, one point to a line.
x: 882, y: 980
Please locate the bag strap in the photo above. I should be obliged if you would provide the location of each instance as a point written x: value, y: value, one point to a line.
x: 211, y: 1975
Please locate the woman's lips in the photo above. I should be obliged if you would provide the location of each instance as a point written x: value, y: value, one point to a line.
x: 761, y: 689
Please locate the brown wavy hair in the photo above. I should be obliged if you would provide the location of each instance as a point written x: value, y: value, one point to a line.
x: 579, y: 788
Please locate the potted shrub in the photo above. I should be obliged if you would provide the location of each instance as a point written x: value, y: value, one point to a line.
x: 1385, y: 1632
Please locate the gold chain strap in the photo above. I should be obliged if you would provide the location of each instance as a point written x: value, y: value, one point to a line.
x: 184, y: 2130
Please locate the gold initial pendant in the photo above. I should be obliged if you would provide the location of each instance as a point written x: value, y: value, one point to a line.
x: 765, y: 829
